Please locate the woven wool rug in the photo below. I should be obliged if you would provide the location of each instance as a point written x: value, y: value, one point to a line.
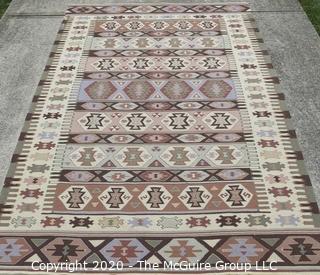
x: 158, y: 137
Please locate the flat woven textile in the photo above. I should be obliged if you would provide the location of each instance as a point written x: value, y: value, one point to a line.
x: 157, y: 135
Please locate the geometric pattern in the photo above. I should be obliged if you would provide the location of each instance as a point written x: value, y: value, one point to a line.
x: 164, y: 197
x: 164, y: 122
x: 160, y: 156
x: 205, y: 249
x: 161, y: 90
x: 158, y: 134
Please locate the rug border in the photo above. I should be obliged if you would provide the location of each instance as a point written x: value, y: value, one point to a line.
x: 301, y: 176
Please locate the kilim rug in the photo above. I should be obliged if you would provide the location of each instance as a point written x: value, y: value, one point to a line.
x: 157, y: 142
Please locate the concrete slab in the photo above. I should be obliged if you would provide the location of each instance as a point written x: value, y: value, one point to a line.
x: 25, y: 43
x: 57, y: 7
x: 294, y: 46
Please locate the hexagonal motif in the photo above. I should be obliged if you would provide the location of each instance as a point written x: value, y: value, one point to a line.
x: 178, y: 155
x: 156, y: 175
x: 134, y: 25
x: 207, y: 25
x: 133, y: 156
x: 178, y: 121
x: 220, y: 120
x: 136, y: 122
x: 232, y: 174
x: 115, y: 197
x: 154, y: 138
x: 110, y: 25
x: 229, y: 137
x: 194, y: 175
x: 155, y: 197
x: 86, y: 138
x: 117, y: 176
x: 125, y: 106
x: 195, y: 197
x: 159, y: 25
x: 190, y: 105
x: 139, y: 90
x: 94, y: 121
x: 191, y: 138
x: 75, y: 197
x: 224, y: 154
x: 183, y: 25
x: 235, y: 195
x: 214, y: 88
x: 93, y: 106
x: 144, y: 9
x: 87, y: 156
x: 120, y: 138
x: 174, y: 8
x: 223, y: 104
x: 186, y: 249
x: 79, y: 176
x: 114, y: 9
x: 176, y: 90
x: 100, y: 90
x: 204, y: 8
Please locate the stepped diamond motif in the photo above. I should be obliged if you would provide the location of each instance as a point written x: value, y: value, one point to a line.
x: 100, y: 90
x: 188, y: 250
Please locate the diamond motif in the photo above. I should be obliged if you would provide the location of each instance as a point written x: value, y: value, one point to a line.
x: 176, y: 90
x: 133, y: 156
x: 242, y: 250
x: 136, y: 121
x: 178, y: 156
x: 220, y: 120
x: 224, y: 155
x: 178, y: 121
x: 139, y: 90
x: 79, y: 176
x: 156, y: 175
x: 183, y: 25
x: 87, y: 156
x: 194, y: 175
x: 110, y: 25
x: 232, y: 174
x: 301, y: 250
x: 12, y: 250
x: 179, y: 250
x: 128, y: 251
x: 100, y: 90
x: 159, y: 25
x: 117, y: 176
x: 134, y: 25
